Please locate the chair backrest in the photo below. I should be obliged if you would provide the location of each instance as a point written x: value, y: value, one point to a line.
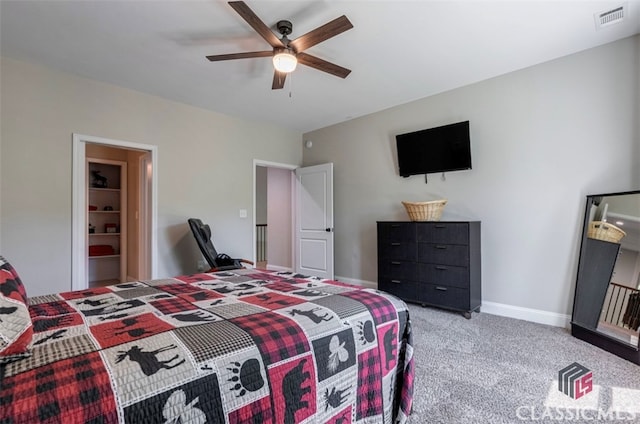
x: 202, y: 234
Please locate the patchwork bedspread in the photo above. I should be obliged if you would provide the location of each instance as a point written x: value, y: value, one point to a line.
x: 245, y: 346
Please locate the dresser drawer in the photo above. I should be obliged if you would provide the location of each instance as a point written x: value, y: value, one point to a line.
x: 396, y: 231
x: 400, y: 249
x: 404, y: 289
x: 444, y: 296
x: 443, y: 232
x: 397, y: 269
x: 447, y: 275
x: 443, y: 254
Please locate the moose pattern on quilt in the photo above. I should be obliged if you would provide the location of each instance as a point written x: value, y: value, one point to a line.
x: 242, y: 346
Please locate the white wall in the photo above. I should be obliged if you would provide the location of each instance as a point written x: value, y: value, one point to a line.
x: 542, y: 139
x: 205, y: 168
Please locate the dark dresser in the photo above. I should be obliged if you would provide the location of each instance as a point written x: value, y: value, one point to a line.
x: 431, y: 263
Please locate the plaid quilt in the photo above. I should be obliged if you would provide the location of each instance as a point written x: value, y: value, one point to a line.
x: 237, y: 347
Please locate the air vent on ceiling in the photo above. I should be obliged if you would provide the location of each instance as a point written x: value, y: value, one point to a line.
x: 610, y: 17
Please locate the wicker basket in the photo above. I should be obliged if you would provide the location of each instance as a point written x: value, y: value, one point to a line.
x: 425, y: 211
x: 604, y: 231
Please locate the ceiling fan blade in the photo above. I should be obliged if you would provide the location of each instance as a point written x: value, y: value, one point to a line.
x: 246, y: 55
x: 278, y: 80
x: 256, y: 23
x: 323, y: 65
x: 324, y: 32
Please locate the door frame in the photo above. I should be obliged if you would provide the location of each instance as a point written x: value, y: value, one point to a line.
x: 145, y: 208
x: 79, y: 265
x: 290, y: 167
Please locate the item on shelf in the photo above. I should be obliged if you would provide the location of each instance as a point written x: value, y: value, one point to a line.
x: 110, y: 228
x: 92, y: 229
x: 602, y: 230
x: 93, y: 208
x: 98, y: 180
x: 425, y: 211
x: 108, y: 208
x: 101, y: 250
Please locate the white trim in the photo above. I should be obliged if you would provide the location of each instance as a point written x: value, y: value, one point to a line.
x: 146, y: 175
x: 278, y: 268
x: 493, y: 308
x: 79, y: 268
x: 526, y: 314
x: 79, y: 265
x: 363, y: 283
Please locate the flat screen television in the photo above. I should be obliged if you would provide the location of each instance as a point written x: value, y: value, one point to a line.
x: 441, y: 149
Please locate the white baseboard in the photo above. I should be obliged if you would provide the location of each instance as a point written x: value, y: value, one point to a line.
x: 493, y: 308
x: 526, y: 314
x: 278, y: 268
x: 363, y: 283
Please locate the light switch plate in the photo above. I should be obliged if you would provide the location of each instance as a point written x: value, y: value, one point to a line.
x: 243, y: 213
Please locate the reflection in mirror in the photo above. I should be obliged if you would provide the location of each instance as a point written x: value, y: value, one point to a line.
x: 617, y: 220
x: 607, y: 299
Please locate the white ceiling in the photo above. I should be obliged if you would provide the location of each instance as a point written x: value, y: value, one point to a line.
x: 398, y: 51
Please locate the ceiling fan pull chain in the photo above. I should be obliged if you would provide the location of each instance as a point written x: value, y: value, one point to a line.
x: 290, y: 84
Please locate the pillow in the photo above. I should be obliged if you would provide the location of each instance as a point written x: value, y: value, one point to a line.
x: 16, y: 330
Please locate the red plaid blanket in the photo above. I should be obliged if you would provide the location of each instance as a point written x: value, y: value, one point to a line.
x: 232, y: 347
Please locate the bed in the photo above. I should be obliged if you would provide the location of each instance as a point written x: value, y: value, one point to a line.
x: 241, y: 346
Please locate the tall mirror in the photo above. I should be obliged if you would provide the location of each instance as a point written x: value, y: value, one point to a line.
x: 606, y: 309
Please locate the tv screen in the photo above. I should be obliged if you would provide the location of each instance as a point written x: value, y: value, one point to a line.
x: 439, y: 149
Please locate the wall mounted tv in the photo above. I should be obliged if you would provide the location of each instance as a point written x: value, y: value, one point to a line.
x: 440, y: 149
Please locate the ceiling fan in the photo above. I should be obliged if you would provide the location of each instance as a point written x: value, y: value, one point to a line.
x: 287, y: 53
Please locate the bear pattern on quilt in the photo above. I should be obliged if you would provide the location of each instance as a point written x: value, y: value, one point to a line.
x: 228, y: 347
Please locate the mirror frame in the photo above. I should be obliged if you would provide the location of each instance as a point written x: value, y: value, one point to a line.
x: 582, y: 331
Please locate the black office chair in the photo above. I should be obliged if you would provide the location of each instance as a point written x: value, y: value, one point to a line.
x: 217, y: 262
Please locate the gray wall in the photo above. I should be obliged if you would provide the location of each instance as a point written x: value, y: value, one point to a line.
x: 542, y: 139
x: 261, y: 195
x: 205, y: 168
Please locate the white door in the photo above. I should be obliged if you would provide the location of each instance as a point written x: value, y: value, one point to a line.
x: 314, y: 221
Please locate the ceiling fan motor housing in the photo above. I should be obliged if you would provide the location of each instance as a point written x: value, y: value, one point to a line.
x: 284, y: 27
x: 285, y: 53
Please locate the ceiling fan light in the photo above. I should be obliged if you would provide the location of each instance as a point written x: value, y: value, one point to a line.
x: 285, y: 61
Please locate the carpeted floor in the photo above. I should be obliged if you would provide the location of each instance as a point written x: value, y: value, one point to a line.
x: 493, y: 369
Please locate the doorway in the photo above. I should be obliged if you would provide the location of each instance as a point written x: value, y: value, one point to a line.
x: 273, y: 215
x: 141, y: 213
x: 293, y: 210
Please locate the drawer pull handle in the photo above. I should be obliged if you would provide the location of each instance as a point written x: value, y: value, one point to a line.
x: 441, y: 288
x: 395, y: 244
x: 396, y: 263
x: 439, y: 246
x: 440, y: 226
x: 396, y: 281
x: 395, y: 225
x: 441, y: 268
